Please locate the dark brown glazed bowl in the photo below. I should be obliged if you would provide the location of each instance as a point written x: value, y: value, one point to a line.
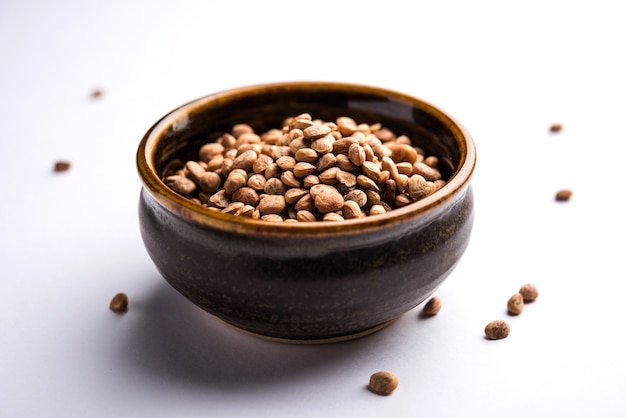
x: 306, y: 282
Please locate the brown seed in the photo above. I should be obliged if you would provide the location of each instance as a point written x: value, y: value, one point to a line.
x: 351, y: 210
x: 433, y: 306
x: 316, y: 131
x: 326, y: 198
x: 515, y: 304
x: 383, y: 383
x: 60, y: 166
x: 119, y: 303
x: 272, y: 204
x: 498, y: 329
x: 529, y: 292
x: 556, y: 127
x: 97, y: 93
x: 563, y: 195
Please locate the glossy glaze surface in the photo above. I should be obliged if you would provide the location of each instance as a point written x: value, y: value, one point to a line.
x: 306, y: 282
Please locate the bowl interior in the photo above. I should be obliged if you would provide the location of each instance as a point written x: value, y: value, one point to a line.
x: 265, y: 107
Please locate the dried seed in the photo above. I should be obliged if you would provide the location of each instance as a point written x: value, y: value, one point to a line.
x: 326, y: 198
x: 433, y: 306
x: 529, y: 292
x: 358, y: 196
x: 272, y: 204
x: 295, y: 194
x: 61, y: 166
x: 306, y: 155
x: 323, y: 145
x: 245, y: 160
x: 194, y: 171
x: 356, y: 153
x: 316, y: 131
x: 310, y: 181
x: 563, y: 195
x: 275, y: 186
x: 289, y: 179
x: 403, y: 153
x: 515, y: 304
x: 333, y: 217
x: 119, y: 303
x: 383, y: 383
x: 286, y: 162
x: 305, y: 216
x: 183, y: 185
x: 345, y: 178
x: 556, y: 127
x: 377, y: 210
x: 303, y: 169
x: 351, y: 210
x: 498, y: 329
x: 246, y: 195
x: 236, y: 179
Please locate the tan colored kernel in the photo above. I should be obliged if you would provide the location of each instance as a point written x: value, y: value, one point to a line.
x: 323, y: 145
x: 529, y: 292
x: 403, y: 153
x: 356, y: 153
x: 183, y: 185
x: 272, y: 204
x: 498, y: 329
x: 209, y: 181
x: 246, y: 195
x: 383, y: 383
x: 236, y: 179
x: 119, y: 303
x: 433, y: 306
x: 377, y: 210
x: 515, y: 304
x: 303, y: 169
x: 316, y: 131
x: 563, y: 195
x: 326, y: 198
x: 351, y: 210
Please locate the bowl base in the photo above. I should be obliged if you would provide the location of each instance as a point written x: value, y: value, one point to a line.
x: 311, y: 341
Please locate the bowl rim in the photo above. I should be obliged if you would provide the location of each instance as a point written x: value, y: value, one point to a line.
x: 177, y: 119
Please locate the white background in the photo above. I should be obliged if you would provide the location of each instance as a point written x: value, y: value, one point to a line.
x: 70, y: 241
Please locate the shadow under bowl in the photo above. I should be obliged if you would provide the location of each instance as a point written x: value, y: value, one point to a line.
x: 316, y: 281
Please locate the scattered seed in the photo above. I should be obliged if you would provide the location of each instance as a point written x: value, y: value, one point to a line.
x: 97, y: 93
x: 498, y: 329
x: 529, y: 292
x: 61, y: 166
x: 383, y: 383
x: 515, y: 304
x: 563, y: 195
x: 119, y: 303
x: 556, y: 127
x: 433, y: 306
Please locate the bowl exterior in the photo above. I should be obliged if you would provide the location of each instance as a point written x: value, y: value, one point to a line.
x: 313, y: 288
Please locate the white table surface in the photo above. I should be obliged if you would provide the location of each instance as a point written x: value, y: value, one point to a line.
x: 70, y: 241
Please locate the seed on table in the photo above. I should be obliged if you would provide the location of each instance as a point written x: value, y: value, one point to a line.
x: 515, y: 304
x: 383, y: 383
x: 119, y: 303
x: 529, y: 292
x: 556, y: 127
x: 433, y: 306
x: 61, y: 166
x: 498, y: 329
x: 563, y: 195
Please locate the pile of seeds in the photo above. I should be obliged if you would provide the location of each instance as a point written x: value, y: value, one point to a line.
x: 308, y: 170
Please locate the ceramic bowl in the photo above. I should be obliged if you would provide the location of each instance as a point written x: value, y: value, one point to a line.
x: 316, y: 281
